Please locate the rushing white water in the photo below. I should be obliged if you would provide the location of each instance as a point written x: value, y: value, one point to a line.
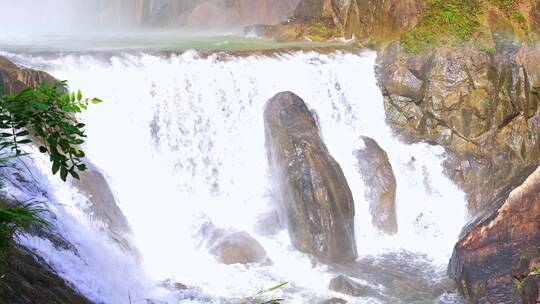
x: 181, y: 139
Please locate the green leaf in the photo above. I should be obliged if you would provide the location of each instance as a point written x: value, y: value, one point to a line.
x: 79, y: 95
x: 74, y: 174
x: 73, y: 98
x: 22, y: 133
x: 273, y: 288
x: 96, y: 100
x: 63, y: 173
x: 55, y: 167
x: 24, y: 141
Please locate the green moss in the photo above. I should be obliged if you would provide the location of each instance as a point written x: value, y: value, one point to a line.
x: 446, y: 22
x: 317, y: 28
x: 489, y: 50
x: 519, y: 17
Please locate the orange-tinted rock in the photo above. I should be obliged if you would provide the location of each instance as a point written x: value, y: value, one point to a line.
x: 498, y: 253
x: 316, y: 206
x: 14, y: 79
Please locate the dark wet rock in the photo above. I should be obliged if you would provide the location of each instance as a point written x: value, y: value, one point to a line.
x: 345, y: 285
x: 334, y: 301
x: 26, y: 278
x: 232, y: 247
x: 380, y: 181
x: 316, y: 204
x: 498, y: 252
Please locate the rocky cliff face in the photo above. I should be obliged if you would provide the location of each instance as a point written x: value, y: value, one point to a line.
x: 480, y: 104
x: 369, y: 21
x: 317, y: 205
x: 497, y: 259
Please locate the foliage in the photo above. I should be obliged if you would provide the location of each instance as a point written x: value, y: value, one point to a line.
x: 317, y: 28
x: 489, y: 50
x: 46, y: 114
x: 16, y: 219
x: 269, y: 290
x: 445, y: 22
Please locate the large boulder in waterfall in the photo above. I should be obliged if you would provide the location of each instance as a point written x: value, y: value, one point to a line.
x: 497, y: 258
x: 316, y: 203
x: 232, y: 247
x: 380, y: 181
x: 14, y: 79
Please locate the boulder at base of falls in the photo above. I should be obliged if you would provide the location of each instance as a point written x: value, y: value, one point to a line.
x: 497, y: 258
x: 345, y: 285
x: 380, y: 182
x: 316, y: 203
x: 26, y: 278
x: 233, y: 247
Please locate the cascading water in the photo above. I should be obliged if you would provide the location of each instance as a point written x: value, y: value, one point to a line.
x: 181, y: 139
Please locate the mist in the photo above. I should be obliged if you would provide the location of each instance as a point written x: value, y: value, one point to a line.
x: 82, y: 17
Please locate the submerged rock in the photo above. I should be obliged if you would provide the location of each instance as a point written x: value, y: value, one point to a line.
x: 379, y: 178
x: 345, y: 285
x: 334, y: 301
x: 316, y: 203
x: 233, y: 247
x: 497, y: 257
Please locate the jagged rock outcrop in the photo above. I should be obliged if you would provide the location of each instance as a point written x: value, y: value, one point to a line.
x: 26, y: 278
x: 232, y: 247
x: 497, y: 259
x: 317, y: 205
x: 380, y: 182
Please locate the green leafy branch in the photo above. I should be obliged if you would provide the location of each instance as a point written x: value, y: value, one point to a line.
x: 47, y: 112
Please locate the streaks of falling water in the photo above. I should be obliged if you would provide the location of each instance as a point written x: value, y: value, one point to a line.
x: 182, y: 139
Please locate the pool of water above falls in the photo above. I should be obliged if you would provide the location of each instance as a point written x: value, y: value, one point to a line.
x: 181, y: 141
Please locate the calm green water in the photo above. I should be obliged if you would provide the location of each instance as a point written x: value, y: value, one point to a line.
x: 150, y: 41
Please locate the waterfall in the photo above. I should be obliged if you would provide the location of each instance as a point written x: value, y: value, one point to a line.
x: 180, y: 139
